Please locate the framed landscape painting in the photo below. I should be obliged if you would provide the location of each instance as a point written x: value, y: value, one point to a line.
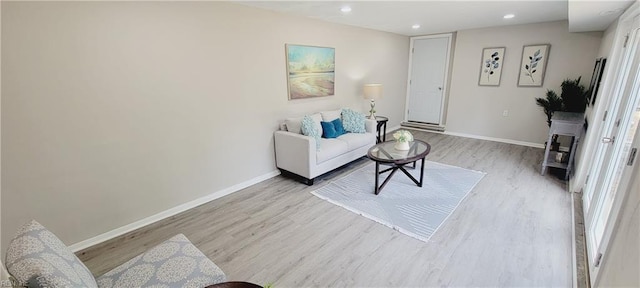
x: 491, y: 66
x: 310, y: 71
x: 533, y: 65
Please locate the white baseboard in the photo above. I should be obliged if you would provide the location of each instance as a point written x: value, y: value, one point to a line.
x: 393, y: 128
x: 508, y: 141
x: 170, y: 212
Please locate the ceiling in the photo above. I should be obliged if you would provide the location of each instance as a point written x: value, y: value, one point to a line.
x: 448, y: 16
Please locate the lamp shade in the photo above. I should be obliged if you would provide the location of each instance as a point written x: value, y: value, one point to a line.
x: 372, y: 91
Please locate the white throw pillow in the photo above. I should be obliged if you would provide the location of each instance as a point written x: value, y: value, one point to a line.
x: 294, y: 125
x: 328, y: 116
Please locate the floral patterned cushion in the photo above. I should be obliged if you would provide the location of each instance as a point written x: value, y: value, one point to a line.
x: 353, y: 121
x: 309, y: 129
x: 37, y: 258
x: 174, y: 263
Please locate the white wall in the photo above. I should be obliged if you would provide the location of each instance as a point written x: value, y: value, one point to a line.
x: 477, y: 110
x: 115, y: 111
x: 594, y: 114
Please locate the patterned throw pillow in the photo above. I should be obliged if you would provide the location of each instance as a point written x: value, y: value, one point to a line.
x: 173, y: 263
x: 37, y: 258
x: 353, y: 121
x: 309, y: 129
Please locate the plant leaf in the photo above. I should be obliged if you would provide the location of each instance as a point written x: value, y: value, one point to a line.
x: 534, y: 71
x: 494, y: 54
x: 526, y: 66
x: 537, y: 53
x: 534, y: 65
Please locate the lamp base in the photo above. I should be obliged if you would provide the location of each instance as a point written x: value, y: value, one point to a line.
x: 372, y: 112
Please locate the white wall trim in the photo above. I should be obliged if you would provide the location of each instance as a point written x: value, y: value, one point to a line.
x: 170, y: 212
x: 393, y: 128
x: 508, y: 141
x: 574, y: 264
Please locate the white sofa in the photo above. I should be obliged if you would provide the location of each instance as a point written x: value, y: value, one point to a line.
x: 297, y: 155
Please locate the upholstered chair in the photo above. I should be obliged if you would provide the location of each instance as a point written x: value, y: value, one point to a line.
x: 37, y: 258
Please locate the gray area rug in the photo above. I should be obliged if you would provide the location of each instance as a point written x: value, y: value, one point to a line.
x: 402, y: 205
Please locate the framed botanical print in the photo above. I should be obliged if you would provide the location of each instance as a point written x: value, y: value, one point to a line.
x: 491, y: 66
x: 533, y: 65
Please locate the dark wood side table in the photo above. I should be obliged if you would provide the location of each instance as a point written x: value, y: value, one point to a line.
x: 381, y: 128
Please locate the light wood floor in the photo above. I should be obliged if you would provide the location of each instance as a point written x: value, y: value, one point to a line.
x: 514, y: 229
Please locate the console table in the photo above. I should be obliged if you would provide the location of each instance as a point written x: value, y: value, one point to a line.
x: 567, y: 124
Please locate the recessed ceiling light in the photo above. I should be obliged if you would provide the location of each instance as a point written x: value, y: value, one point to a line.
x: 415, y: 26
x: 508, y: 16
x: 345, y: 9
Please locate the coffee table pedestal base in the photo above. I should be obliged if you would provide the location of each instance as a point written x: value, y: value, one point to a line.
x: 394, y: 168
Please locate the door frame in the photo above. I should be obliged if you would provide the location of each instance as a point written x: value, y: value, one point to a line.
x: 612, y: 106
x: 445, y: 85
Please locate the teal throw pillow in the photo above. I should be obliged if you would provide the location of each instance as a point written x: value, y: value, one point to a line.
x: 309, y: 129
x: 337, y: 124
x: 328, y: 130
x: 353, y: 121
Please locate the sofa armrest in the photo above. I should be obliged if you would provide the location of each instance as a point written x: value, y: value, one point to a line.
x: 295, y: 152
x: 371, y: 125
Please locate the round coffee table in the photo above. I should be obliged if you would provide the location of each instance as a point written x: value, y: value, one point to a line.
x: 384, y: 153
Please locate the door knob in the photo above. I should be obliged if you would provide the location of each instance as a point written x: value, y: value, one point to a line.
x: 607, y: 140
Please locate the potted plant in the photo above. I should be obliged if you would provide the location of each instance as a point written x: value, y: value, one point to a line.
x: 573, y: 98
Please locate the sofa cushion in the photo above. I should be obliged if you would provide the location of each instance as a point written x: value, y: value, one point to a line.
x: 317, y: 118
x: 337, y: 124
x: 332, y: 129
x: 353, y: 121
x: 331, y: 148
x: 328, y: 130
x: 173, y: 263
x: 37, y: 258
x: 309, y: 129
x: 357, y: 140
x: 328, y: 116
x: 294, y: 125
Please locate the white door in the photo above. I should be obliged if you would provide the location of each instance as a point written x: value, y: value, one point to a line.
x: 613, y: 161
x: 427, y: 77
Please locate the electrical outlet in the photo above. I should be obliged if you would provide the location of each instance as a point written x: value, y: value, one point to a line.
x: 505, y: 113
